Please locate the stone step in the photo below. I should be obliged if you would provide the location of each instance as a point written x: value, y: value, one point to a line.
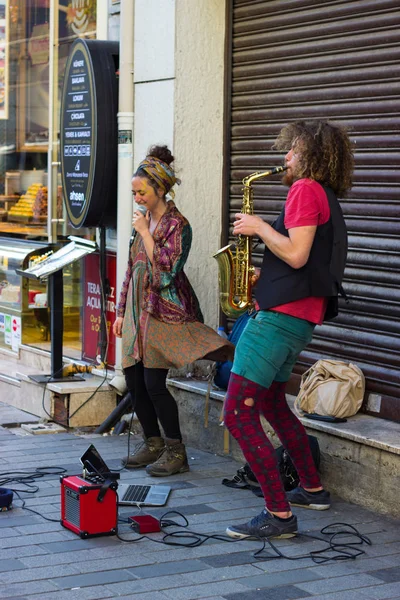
x: 82, y: 402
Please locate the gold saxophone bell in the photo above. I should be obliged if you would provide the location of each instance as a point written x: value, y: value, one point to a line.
x: 234, y: 260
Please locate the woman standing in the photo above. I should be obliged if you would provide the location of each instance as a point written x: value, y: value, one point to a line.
x: 159, y: 317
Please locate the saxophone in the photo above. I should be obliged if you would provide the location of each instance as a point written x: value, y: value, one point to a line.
x: 234, y: 260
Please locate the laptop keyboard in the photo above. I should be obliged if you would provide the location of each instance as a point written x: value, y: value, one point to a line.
x: 136, y: 493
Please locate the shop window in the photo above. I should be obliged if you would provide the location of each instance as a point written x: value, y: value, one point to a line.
x: 30, y: 210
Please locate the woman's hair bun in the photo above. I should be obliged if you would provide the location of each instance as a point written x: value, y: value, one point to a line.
x: 161, y: 152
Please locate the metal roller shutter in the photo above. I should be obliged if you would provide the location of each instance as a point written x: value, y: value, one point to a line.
x: 305, y: 59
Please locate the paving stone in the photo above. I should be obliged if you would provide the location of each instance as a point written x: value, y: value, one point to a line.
x: 346, y: 595
x: 384, y: 549
x: 21, y: 552
x: 202, y: 591
x: 232, y: 559
x: 87, y: 579
x: 144, y: 596
x: 38, y: 574
x: 29, y: 588
x: 163, y: 555
x: 29, y: 540
x: 142, y: 586
x: 388, y: 575
x: 391, y: 560
x: 10, y: 565
x: 221, y: 574
x: 90, y: 593
x: 185, y: 509
x: 339, y: 583
x: 287, y: 592
x: 389, y: 590
x: 361, y: 565
x: 119, y: 562
x: 75, y: 544
x: 6, y: 521
x: 44, y: 527
x: 181, y: 485
x: 169, y: 568
x: 268, y: 580
x: 7, y: 532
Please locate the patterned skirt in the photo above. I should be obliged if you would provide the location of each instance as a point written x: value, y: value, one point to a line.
x: 162, y: 345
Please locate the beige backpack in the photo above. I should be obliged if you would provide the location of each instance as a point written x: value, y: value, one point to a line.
x: 331, y: 388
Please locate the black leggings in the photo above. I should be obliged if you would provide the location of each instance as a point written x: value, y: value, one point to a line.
x: 152, y: 401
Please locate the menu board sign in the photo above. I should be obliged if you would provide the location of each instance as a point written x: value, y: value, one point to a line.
x: 78, y: 131
x: 89, y: 133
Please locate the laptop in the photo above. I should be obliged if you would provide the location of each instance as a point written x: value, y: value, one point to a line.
x: 129, y: 494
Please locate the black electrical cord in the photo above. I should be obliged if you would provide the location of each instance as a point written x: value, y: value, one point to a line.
x: 79, y: 407
x: 334, y: 550
x: 124, y: 463
x: 27, y: 479
x: 344, y: 551
x: 340, y: 550
x: 54, y: 375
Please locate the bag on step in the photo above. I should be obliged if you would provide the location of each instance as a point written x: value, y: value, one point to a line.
x: 331, y: 388
x: 246, y: 480
x: 223, y: 369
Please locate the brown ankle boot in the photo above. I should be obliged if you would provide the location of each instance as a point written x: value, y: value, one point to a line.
x: 172, y: 460
x: 145, y: 454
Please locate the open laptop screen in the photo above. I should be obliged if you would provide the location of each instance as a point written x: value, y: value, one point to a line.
x: 92, y: 461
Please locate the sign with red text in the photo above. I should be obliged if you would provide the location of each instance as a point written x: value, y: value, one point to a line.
x: 15, y: 333
x: 92, y: 307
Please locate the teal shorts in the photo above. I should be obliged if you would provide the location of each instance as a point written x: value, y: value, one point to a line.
x: 269, y: 346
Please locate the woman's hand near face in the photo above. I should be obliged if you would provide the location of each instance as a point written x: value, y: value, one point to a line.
x: 140, y: 222
x: 117, y: 326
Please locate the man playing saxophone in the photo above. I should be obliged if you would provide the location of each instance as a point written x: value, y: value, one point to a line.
x: 298, y: 287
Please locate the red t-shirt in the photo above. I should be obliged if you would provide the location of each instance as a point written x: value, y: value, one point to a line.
x: 306, y: 204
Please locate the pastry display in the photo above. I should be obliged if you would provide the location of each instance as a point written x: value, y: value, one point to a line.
x: 10, y: 293
x: 32, y: 206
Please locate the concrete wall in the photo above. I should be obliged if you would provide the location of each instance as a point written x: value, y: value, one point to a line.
x: 179, y: 101
x: 154, y: 72
x: 198, y: 137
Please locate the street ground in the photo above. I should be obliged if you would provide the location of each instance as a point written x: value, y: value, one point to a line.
x: 41, y: 559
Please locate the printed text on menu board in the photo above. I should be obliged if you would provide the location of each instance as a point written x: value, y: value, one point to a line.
x: 78, y: 146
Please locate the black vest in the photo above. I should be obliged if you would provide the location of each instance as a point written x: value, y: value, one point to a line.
x: 322, y: 275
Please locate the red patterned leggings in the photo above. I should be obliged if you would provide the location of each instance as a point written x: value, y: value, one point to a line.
x: 243, y: 422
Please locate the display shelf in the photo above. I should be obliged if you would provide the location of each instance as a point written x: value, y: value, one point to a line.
x: 32, y: 230
x: 17, y: 294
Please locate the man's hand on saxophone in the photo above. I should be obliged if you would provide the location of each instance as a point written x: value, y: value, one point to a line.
x: 247, y: 224
x: 255, y: 277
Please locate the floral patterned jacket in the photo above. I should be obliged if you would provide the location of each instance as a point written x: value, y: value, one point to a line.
x: 167, y: 293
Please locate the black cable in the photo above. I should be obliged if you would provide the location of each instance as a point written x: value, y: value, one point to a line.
x: 33, y: 511
x: 124, y: 463
x: 334, y: 550
x: 91, y: 395
x: 53, y: 375
x: 196, y: 539
x: 27, y: 478
x: 342, y: 551
x: 79, y: 407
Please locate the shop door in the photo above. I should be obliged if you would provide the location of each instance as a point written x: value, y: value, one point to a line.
x: 340, y: 61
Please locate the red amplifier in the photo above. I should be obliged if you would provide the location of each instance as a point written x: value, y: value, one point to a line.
x: 89, y: 508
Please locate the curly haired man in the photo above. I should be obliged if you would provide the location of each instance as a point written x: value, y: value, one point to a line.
x: 297, y: 289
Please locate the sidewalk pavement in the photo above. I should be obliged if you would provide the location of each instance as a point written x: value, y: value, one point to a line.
x: 41, y: 559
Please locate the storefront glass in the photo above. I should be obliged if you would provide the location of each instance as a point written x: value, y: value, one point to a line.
x: 35, y: 38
